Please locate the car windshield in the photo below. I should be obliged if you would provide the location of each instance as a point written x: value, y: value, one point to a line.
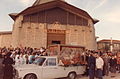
x: 39, y: 61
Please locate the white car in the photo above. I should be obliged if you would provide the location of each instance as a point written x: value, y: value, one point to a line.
x: 47, y: 67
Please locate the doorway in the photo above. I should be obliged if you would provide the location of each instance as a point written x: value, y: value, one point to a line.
x: 56, y: 42
x: 54, y: 38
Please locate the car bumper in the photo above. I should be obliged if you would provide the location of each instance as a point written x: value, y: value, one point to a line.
x: 17, y: 77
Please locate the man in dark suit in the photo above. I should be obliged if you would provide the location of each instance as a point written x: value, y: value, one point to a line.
x: 91, y: 65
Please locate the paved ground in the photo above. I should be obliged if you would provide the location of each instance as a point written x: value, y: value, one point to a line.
x: 106, y: 77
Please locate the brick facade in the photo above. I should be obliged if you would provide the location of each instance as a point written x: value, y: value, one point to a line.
x: 33, y: 31
x: 5, y: 39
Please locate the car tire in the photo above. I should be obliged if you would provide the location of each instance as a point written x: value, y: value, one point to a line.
x: 72, y: 75
x: 30, y: 76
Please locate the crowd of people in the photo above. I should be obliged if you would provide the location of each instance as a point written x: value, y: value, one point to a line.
x: 98, y: 64
x: 23, y: 55
x: 18, y: 56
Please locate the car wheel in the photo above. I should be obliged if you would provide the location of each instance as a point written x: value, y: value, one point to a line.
x: 72, y: 75
x: 30, y: 76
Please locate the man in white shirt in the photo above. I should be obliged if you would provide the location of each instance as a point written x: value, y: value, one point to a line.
x: 17, y: 60
x: 99, y: 66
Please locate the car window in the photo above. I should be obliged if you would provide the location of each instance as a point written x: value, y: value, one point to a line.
x: 39, y: 61
x: 51, y: 62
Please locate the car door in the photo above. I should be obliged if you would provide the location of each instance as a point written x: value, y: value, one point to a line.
x: 39, y: 64
x: 50, y: 69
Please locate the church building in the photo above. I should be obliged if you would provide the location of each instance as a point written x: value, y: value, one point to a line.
x: 49, y: 22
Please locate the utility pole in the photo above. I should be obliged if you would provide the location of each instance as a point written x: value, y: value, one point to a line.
x: 111, y: 44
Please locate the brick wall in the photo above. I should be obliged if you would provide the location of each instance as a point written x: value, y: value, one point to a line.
x: 5, y: 40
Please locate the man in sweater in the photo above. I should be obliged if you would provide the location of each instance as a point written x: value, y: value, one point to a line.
x: 99, y: 66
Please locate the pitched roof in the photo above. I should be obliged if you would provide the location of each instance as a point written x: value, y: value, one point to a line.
x: 13, y: 15
x: 5, y: 32
x: 37, y: 2
x: 53, y: 4
x: 108, y: 41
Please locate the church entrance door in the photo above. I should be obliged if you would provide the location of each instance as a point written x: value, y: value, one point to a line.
x: 55, y: 38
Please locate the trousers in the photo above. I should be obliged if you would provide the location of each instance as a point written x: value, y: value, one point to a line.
x: 99, y: 74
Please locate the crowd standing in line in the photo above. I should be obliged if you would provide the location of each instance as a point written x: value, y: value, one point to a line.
x: 98, y: 64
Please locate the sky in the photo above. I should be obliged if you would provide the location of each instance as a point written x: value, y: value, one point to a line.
x: 107, y: 11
